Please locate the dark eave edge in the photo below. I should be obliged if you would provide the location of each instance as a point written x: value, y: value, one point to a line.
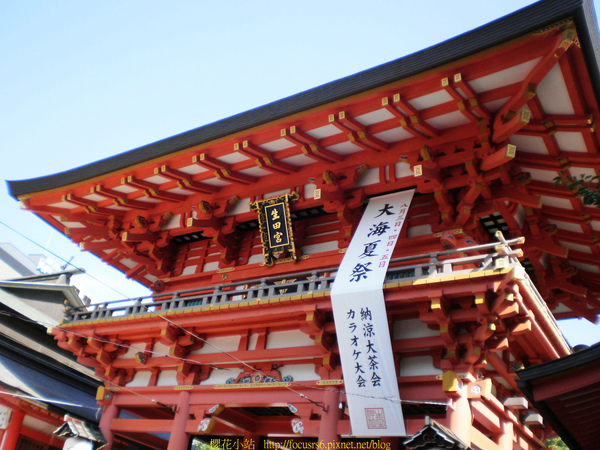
x: 530, y: 376
x: 504, y: 29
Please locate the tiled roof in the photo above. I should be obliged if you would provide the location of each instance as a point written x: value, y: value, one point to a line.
x: 495, y: 33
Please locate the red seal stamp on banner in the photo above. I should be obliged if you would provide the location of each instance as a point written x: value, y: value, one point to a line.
x: 375, y: 418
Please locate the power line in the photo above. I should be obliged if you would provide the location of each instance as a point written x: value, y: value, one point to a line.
x: 126, y: 298
x: 191, y: 361
x: 67, y: 262
x: 227, y: 353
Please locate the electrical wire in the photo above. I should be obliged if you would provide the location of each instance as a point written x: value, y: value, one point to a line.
x: 243, y: 363
x: 226, y: 353
x: 67, y: 263
x: 191, y: 361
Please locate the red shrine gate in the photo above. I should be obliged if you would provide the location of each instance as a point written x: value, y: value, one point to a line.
x: 239, y: 341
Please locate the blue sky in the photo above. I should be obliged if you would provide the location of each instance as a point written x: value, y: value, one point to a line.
x: 84, y: 80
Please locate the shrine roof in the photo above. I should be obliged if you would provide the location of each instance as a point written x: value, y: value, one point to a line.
x: 495, y: 33
x: 565, y: 391
x: 480, y: 125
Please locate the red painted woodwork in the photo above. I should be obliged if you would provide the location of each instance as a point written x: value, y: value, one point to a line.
x: 480, y: 139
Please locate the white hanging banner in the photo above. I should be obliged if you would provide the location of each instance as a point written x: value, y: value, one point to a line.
x: 361, y: 319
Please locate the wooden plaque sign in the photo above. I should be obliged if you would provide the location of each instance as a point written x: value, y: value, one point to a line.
x: 276, y: 228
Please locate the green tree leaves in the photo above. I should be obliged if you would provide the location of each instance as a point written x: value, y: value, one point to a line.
x: 586, y: 187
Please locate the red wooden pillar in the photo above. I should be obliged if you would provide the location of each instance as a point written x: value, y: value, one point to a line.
x: 179, y: 438
x: 330, y: 418
x: 13, y: 431
x: 506, y: 438
x: 110, y: 412
x: 459, y: 416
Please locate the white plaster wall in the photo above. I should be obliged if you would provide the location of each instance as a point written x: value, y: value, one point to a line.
x: 403, y: 170
x: 140, y: 379
x: 277, y: 193
x: 209, y: 267
x: 240, y: 207
x: 132, y: 350
x: 218, y: 345
x: 189, y: 270
x: 309, y: 190
x: 300, y: 372
x: 371, y: 176
x: 317, y: 248
x: 411, y: 329
x: 221, y: 376
x: 252, y: 340
x: 291, y: 338
x: 160, y: 349
x: 420, y: 230
x: 167, y: 378
x: 255, y: 259
x: 418, y: 366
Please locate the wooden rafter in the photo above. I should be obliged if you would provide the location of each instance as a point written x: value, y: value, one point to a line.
x: 44, y: 209
x: 185, y: 181
x: 310, y: 146
x: 385, y: 102
x: 121, y: 199
x: 566, y: 215
x: 222, y: 170
x: 152, y: 190
x: 264, y: 159
x: 498, y: 158
x: 463, y: 107
x: 90, y: 230
x: 98, y: 246
x: 505, y: 130
x: 542, y: 162
x: 573, y: 84
x: 549, y: 125
x: 518, y: 195
x: 356, y: 133
x: 560, y: 45
x: 474, y: 101
x: 89, y: 206
x: 579, y: 238
x: 413, y: 119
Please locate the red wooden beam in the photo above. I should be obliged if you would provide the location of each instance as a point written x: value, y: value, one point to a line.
x: 507, y: 129
x: 185, y: 181
x: 91, y: 230
x: 498, y: 158
x: 90, y: 206
x: 265, y: 158
x: 474, y: 103
x: 98, y: 246
x: 460, y: 101
x: 121, y: 199
x: 310, y: 146
x: 222, y: 170
x: 414, y: 118
x: 152, y: 190
x: 385, y: 102
x: 360, y: 133
x: 560, y: 45
x: 519, y: 196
